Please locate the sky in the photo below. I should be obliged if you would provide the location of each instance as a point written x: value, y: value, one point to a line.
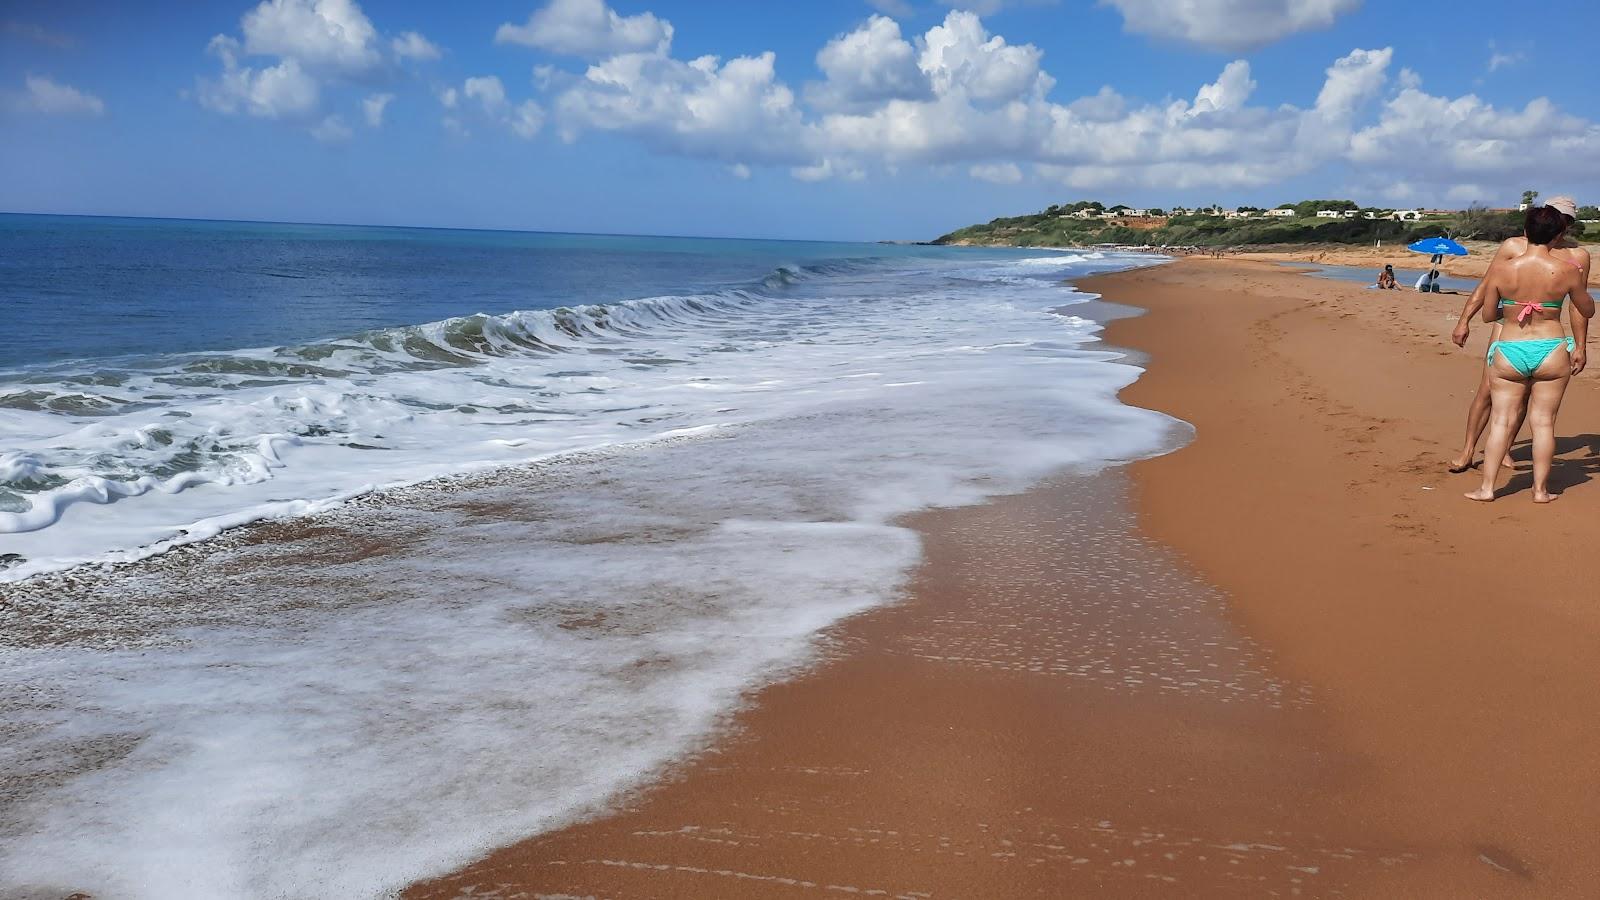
x: 828, y: 119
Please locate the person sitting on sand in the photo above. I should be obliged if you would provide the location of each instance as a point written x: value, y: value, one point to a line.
x: 1564, y: 248
x: 1386, y: 281
x: 1532, y: 358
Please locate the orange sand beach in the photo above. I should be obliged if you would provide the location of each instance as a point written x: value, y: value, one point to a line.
x: 1288, y: 659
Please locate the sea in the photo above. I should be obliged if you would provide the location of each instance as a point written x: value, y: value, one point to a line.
x: 332, y: 557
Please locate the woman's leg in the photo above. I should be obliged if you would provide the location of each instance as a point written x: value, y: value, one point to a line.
x: 1506, y: 397
x: 1543, y: 403
x: 1477, y: 419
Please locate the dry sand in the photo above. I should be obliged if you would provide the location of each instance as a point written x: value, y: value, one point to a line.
x: 1288, y: 659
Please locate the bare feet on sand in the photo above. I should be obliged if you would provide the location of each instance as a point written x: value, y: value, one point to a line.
x: 1483, y: 494
x: 1544, y: 497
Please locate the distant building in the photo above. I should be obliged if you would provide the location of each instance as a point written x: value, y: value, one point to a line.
x: 1280, y: 213
x: 1352, y: 213
x: 1136, y: 213
x: 1237, y: 214
x: 1329, y: 214
x: 1406, y: 215
x: 1088, y: 213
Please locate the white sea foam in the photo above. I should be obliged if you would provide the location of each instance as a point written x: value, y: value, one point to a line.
x: 419, y: 679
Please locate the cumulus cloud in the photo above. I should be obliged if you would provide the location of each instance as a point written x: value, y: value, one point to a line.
x: 1228, y: 25
x: 996, y: 173
x: 734, y: 111
x: 960, y: 56
x: 523, y: 119
x: 41, y: 94
x: 1436, y: 141
x: 587, y: 28
x: 868, y: 66
x: 373, y: 108
x: 957, y: 94
x: 334, y: 34
x: 280, y: 91
x: 412, y: 45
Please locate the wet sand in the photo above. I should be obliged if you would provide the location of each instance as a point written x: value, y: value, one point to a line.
x: 1288, y: 659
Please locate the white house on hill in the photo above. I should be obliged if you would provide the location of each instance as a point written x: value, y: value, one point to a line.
x: 1281, y: 213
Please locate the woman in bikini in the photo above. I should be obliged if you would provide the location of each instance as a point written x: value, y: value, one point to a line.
x: 1565, y: 248
x: 1532, y: 358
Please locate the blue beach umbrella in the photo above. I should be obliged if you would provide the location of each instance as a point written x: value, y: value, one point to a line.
x: 1438, y: 246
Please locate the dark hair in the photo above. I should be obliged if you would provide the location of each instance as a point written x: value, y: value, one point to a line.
x: 1543, y: 224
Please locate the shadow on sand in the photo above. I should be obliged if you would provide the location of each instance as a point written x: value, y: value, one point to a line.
x: 1577, y: 462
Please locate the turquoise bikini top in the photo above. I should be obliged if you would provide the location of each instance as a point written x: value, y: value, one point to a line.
x: 1548, y: 304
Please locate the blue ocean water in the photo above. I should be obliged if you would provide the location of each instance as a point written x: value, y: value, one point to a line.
x: 77, y: 287
x: 164, y: 381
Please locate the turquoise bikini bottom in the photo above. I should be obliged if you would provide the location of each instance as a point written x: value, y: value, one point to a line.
x: 1527, y: 356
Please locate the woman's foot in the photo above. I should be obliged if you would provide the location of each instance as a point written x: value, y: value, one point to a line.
x: 1459, y: 465
x: 1483, y: 494
x: 1544, y: 497
x: 1508, y: 462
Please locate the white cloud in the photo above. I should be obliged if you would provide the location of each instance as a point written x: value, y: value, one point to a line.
x: 373, y: 107
x: 488, y: 91
x: 739, y: 171
x: 46, y: 95
x: 868, y: 66
x: 524, y: 119
x: 332, y: 34
x: 1230, y: 25
x: 734, y: 111
x: 332, y: 130
x: 273, y: 92
x: 1438, y: 142
x: 983, y: 104
x: 412, y: 45
x: 996, y: 173
x: 588, y: 28
x: 1228, y: 92
x: 449, y: 97
x: 960, y: 56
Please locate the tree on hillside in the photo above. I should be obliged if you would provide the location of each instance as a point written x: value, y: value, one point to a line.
x: 1305, y: 209
x: 1528, y: 197
x: 1157, y: 212
x: 1589, y: 212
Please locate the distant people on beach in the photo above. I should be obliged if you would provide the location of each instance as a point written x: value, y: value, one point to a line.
x: 1386, y: 280
x: 1565, y: 248
x: 1429, y: 282
x: 1532, y: 358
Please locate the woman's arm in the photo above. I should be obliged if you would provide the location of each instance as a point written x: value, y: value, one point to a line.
x: 1474, y: 303
x: 1580, y: 335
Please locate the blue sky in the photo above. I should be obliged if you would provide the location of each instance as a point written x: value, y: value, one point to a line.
x: 832, y: 119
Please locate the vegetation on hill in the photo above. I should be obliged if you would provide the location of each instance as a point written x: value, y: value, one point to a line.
x: 1056, y: 227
